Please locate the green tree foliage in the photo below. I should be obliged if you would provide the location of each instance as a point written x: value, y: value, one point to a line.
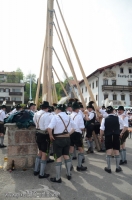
x: 32, y: 76
x: 15, y: 77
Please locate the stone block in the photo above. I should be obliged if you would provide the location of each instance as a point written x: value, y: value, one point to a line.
x: 30, y: 161
x: 24, y: 136
x: 17, y: 150
x: 32, y: 149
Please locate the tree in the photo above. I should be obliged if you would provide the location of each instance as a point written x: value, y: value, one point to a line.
x: 15, y: 76
x: 32, y: 76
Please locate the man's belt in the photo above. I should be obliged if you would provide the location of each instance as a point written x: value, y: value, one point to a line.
x: 64, y: 133
x: 41, y: 131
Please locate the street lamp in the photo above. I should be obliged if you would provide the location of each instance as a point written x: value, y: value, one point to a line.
x: 98, y: 88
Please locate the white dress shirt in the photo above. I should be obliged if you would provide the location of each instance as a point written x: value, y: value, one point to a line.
x: 102, y: 127
x: 78, y: 120
x: 2, y: 115
x: 81, y: 113
x: 91, y: 115
x: 103, y: 113
x: 125, y: 120
x: 42, y: 119
x: 57, y: 124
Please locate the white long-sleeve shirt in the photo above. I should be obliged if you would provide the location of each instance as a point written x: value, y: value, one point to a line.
x: 125, y: 120
x: 42, y: 119
x: 78, y: 120
x: 57, y: 124
x: 2, y: 115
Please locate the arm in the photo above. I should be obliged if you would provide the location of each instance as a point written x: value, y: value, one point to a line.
x: 51, y: 127
x: 88, y: 118
x: 102, y: 128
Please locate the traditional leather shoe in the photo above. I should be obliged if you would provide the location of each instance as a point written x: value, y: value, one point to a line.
x: 2, y: 146
x: 55, y: 181
x: 74, y: 158
x: 121, y: 162
x: 107, y: 170
x: 71, y: 168
x: 82, y: 168
x: 125, y: 162
x: 36, y: 173
x: 51, y: 154
x: 50, y: 161
x: 45, y: 176
x: 68, y: 177
x: 118, y: 169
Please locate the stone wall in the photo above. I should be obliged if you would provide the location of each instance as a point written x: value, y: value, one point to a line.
x: 22, y: 147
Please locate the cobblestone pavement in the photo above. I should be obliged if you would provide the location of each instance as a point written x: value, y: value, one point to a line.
x: 95, y: 184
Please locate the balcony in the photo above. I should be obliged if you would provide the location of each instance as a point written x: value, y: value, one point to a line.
x: 11, y: 102
x: 15, y: 93
x: 117, y: 88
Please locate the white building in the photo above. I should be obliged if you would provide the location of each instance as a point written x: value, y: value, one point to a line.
x: 113, y: 82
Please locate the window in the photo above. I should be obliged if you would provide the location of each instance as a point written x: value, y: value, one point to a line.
x: 1, y: 90
x: 121, y: 70
x: 16, y: 90
x: 16, y: 99
x: 82, y: 90
x: 96, y: 83
x: 96, y: 97
x: 89, y: 99
x: 85, y: 100
x: 6, y: 90
x: 114, y: 97
x: 130, y: 71
x: 105, y: 96
x: 85, y: 89
x: 130, y: 97
x: 113, y: 82
x: 93, y: 85
x: 122, y: 97
x: 105, y: 82
x: 90, y: 85
x: 129, y: 83
x: 1, y: 76
x: 1, y: 98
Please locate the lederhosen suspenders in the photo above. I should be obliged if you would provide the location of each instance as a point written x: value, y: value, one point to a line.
x: 66, y: 126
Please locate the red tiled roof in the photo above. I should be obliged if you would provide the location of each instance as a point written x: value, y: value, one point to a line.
x: 108, y: 66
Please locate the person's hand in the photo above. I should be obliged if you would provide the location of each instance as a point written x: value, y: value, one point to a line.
x: 52, y: 138
x: 121, y: 134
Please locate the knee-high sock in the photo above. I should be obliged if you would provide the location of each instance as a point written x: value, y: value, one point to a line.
x: 117, y: 157
x: 88, y: 143
x: 37, y: 164
x: 2, y: 140
x: 71, y: 156
x: 58, y: 170
x: 108, y: 159
x: 74, y: 152
x: 91, y: 145
x: 68, y: 166
x: 124, y: 154
x: 42, y: 167
x: 80, y: 157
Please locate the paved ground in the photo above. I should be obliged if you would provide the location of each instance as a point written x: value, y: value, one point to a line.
x: 95, y: 184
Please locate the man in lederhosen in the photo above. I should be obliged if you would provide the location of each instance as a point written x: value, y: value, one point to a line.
x: 2, y: 129
x: 32, y: 107
x: 124, y: 134
x: 76, y: 137
x: 42, y: 119
x: 110, y: 127
x: 90, y: 121
x: 63, y: 126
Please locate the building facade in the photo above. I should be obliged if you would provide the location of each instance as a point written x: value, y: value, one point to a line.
x: 113, y: 82
x: 11, y: 92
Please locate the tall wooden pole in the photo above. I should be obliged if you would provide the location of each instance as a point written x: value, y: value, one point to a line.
x: 60, y: 83
x: 71, y: 66
x: 78, y: 60
x: 40, y: 75
x: 65, y: 74
x: 55, y: 93
x: 50, y: 44
x: 82, y: 71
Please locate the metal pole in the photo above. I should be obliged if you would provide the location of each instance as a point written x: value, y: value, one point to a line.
x: 30, y: 98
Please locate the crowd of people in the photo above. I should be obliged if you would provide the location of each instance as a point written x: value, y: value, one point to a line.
x: 62, y: 129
